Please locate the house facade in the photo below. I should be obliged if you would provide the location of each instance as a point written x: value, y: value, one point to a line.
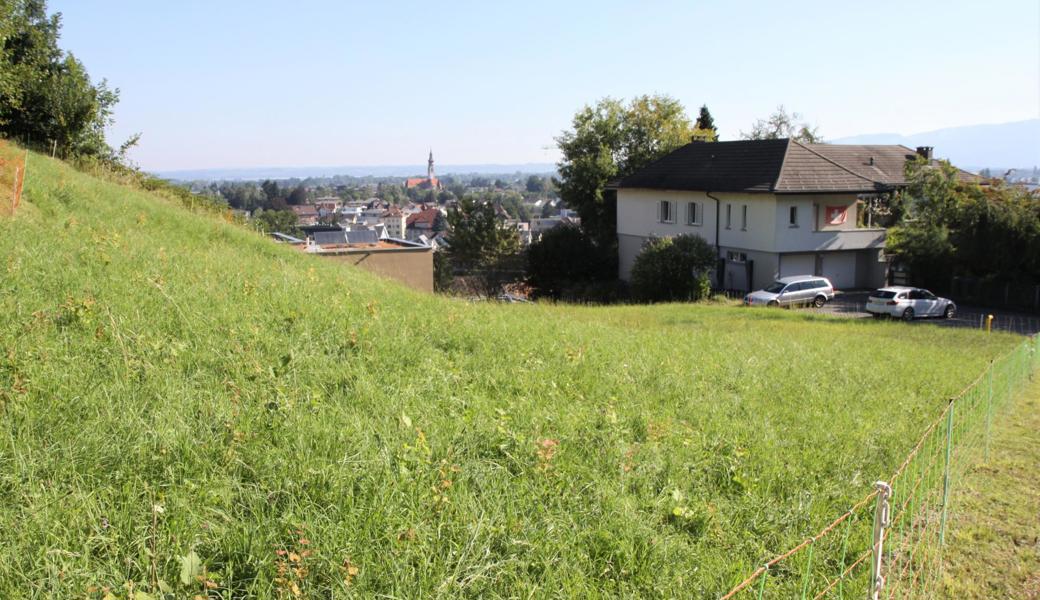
x: 771, y: 208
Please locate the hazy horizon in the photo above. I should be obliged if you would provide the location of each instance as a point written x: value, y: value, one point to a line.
x: 325, y: 83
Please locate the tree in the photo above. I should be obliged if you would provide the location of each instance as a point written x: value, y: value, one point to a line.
x: 704, y: 129
x: 481, y: 246
x: 282, y: 221
x: 782, y: 124
x: 442, y: 272
x: 612, y: 140
x: 535, y: 184
x: 672, y: 269
x: 47, y: 100
x: 564, y: 257
x: 948, y: 225
x: 298, y: 196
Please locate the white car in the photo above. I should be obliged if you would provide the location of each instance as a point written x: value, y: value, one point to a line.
x: 908, y: 303
x: 788, y: 291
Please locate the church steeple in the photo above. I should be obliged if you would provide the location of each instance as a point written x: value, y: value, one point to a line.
x: 429, y: 167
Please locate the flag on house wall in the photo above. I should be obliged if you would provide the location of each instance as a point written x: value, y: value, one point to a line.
x: 836, y: 215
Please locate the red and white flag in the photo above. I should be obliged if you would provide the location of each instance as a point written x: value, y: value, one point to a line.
x: 836, y: 215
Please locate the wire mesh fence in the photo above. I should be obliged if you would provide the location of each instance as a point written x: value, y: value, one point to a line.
x: 890, y: 543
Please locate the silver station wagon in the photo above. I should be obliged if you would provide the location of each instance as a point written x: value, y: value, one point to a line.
x: 795, y: 290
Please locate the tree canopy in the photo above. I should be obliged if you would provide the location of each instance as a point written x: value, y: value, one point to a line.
x: 47, y: 99
x: 948, y: 225
x: 782, y: 124
x: 609, y: 140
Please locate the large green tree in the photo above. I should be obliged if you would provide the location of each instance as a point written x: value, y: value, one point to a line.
x: 948, y: 225
x: 481, y: 246
x: 609, y: 140
x: 47, y: 100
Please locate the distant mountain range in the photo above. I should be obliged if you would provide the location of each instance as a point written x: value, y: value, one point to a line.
x: 971, y: 147
x: 260, y: 173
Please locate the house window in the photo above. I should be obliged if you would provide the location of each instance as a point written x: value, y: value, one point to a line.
x: 737, y: 257
x: 667, y: 211
x: 693, y: 213
x: 729, y: 216
x: 792, y: 216
x: 743, y: 218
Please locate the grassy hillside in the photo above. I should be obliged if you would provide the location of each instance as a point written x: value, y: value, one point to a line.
x: 180, y: 397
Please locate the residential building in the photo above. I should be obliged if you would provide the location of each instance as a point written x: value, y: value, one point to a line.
x: 395, y: 222
x: 422, y: 222
x: 771, y: 208
x: 306, y: 214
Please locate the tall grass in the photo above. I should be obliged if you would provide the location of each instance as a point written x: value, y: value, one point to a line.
x: 189, y: 408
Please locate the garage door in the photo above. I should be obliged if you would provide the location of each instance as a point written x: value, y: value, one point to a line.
x: 840, y: 268
x: 797, y: 264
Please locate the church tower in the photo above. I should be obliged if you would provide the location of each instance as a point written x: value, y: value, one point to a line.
x: 429, y: 167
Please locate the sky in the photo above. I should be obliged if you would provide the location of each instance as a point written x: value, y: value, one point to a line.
x: 231, y: 83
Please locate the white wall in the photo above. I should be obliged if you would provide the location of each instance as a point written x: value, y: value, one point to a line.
x: 637, y: 214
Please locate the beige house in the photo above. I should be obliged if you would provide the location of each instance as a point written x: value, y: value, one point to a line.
x: 771, y: 208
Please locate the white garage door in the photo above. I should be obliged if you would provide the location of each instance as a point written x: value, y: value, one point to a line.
x: 797, y: 264
x: 840, y: 268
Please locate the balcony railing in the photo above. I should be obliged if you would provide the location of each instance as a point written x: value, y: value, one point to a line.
x: 846, y: 239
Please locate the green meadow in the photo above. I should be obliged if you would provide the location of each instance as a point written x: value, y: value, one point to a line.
x: 188, y: 409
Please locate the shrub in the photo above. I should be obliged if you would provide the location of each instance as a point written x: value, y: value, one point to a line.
x: 564, y: 261
x: 673, y: 269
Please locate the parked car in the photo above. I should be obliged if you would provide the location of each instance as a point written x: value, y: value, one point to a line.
x: 787, y: 291
x: 908, y: 303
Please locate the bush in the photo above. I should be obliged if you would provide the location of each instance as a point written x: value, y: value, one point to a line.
x: 673, y: 269
x: 564, y: 261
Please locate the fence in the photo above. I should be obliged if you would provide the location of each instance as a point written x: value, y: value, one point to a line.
x: 1005, y: 294
x: 890, y: 543
x: 12, y: 176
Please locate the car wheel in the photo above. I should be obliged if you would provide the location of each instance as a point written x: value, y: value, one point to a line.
x: 819, y: 301
x: 908, y: 314
x: 773, y: 303
x: 950, y: 311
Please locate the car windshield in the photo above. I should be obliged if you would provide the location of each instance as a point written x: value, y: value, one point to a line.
x: 883, y: 294
x: 775, y: 288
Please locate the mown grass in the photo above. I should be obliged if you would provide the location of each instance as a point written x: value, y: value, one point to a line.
x: 994, y: 549
x: 173, y: 386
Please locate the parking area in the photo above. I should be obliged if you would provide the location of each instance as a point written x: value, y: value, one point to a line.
x: 853, y: 305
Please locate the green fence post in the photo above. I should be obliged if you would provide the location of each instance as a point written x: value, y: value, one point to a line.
x: 989, y: 410
x: 946, y: 475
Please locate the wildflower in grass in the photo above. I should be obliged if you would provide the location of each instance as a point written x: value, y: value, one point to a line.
x: 350, y: 571
x: 546, y: 450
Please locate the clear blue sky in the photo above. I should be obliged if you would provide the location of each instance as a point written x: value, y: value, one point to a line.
x: 226, y: 83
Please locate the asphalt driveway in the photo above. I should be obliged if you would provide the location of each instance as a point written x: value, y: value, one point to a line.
x: 853, y: 305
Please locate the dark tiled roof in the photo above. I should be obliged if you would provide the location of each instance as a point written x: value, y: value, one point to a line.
x: 715, y: 167
x: 781, y: 166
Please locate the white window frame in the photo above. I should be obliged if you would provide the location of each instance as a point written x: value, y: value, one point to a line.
x: 729, y: 216
x: 693, y: 213
x: 743, y: 218
x: 792, y: 215
x: 661, y: 210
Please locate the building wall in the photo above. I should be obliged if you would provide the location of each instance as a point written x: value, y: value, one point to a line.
x: 413, y: 268
x: 808, y: 247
